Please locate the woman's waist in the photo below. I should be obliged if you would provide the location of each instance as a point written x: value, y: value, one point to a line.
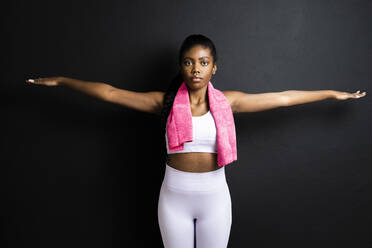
x: 194, y: 181
x: 193, y: 161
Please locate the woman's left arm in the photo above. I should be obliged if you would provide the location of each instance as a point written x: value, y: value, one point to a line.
x: 294, y: 97
x: 243, y: 102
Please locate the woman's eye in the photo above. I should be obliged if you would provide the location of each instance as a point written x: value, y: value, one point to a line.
x: 206, y: 63
x: 186, y: 62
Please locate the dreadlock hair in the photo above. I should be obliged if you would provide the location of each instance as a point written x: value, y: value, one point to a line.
x: 170, y: 94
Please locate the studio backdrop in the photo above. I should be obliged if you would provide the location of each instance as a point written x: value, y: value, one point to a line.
x: 80, y: 172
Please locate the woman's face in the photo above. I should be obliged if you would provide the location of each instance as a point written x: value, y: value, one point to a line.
x: 197, y: 62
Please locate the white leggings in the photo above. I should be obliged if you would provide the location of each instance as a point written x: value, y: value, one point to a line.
x: 185, y: 196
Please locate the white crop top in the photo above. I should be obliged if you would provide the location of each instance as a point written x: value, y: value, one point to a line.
x: 204, y: 135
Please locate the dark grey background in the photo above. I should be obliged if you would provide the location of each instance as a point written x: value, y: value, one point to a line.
x: 79, y: 172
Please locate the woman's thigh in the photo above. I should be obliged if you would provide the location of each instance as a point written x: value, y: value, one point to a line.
x: 185, y: 196
x: 175, y: 219
x: 213, y: 223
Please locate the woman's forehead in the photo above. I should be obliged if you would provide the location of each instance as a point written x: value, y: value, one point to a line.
x: 198, y: 52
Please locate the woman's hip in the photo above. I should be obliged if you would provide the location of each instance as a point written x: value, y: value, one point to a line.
x: 194, y: 182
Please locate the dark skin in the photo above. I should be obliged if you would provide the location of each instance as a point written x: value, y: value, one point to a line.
x: 197, y: 61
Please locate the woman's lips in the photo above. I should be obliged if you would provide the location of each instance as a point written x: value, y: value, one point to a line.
x: 196, y: 79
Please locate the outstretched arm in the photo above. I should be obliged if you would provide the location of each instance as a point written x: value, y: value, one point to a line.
x: 242, y: 102
x: 150, y: 102
x: 294, y: 97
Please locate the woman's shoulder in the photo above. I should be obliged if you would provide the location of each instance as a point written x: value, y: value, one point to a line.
x: 230, y: 95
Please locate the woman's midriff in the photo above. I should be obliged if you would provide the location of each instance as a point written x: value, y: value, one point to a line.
x: 193, y: 161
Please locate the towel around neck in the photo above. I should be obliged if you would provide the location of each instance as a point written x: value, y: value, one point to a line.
x: 179, y: 123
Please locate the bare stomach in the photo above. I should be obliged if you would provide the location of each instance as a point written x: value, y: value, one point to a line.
x: 193, y: 161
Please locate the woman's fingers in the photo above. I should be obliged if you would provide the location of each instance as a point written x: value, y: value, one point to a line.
x: 346, y: 95
x: 34, y: 81
x: 358, y: 94
x: 51, y: 81
x: 30, y: 81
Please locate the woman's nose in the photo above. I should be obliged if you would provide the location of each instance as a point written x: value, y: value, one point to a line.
x: 195, y: 70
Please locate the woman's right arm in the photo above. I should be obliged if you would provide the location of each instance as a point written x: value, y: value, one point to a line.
x: 150, y: 102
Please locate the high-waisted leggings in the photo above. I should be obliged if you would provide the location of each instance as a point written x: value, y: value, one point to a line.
x: 200, y: 196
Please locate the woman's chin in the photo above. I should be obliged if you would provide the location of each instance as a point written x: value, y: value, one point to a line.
x: 195, y: 85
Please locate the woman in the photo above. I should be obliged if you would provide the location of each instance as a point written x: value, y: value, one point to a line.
x: 194, y: 185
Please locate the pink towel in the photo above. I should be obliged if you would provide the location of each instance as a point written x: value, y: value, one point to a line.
x: 179, y: 123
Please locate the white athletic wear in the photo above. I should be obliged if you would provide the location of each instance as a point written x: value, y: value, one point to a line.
x: 204, y: 135
x: 185, y: 196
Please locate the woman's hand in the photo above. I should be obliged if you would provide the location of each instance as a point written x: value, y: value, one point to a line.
x: 338, y: 95
x: 49, y: 81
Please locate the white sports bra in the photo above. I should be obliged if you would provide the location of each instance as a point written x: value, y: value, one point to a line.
x: 204, y: 135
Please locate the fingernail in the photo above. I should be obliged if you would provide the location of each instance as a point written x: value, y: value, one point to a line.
x: 30, y: 80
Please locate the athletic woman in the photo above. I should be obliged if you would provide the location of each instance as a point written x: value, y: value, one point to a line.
x: 194, y: 187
